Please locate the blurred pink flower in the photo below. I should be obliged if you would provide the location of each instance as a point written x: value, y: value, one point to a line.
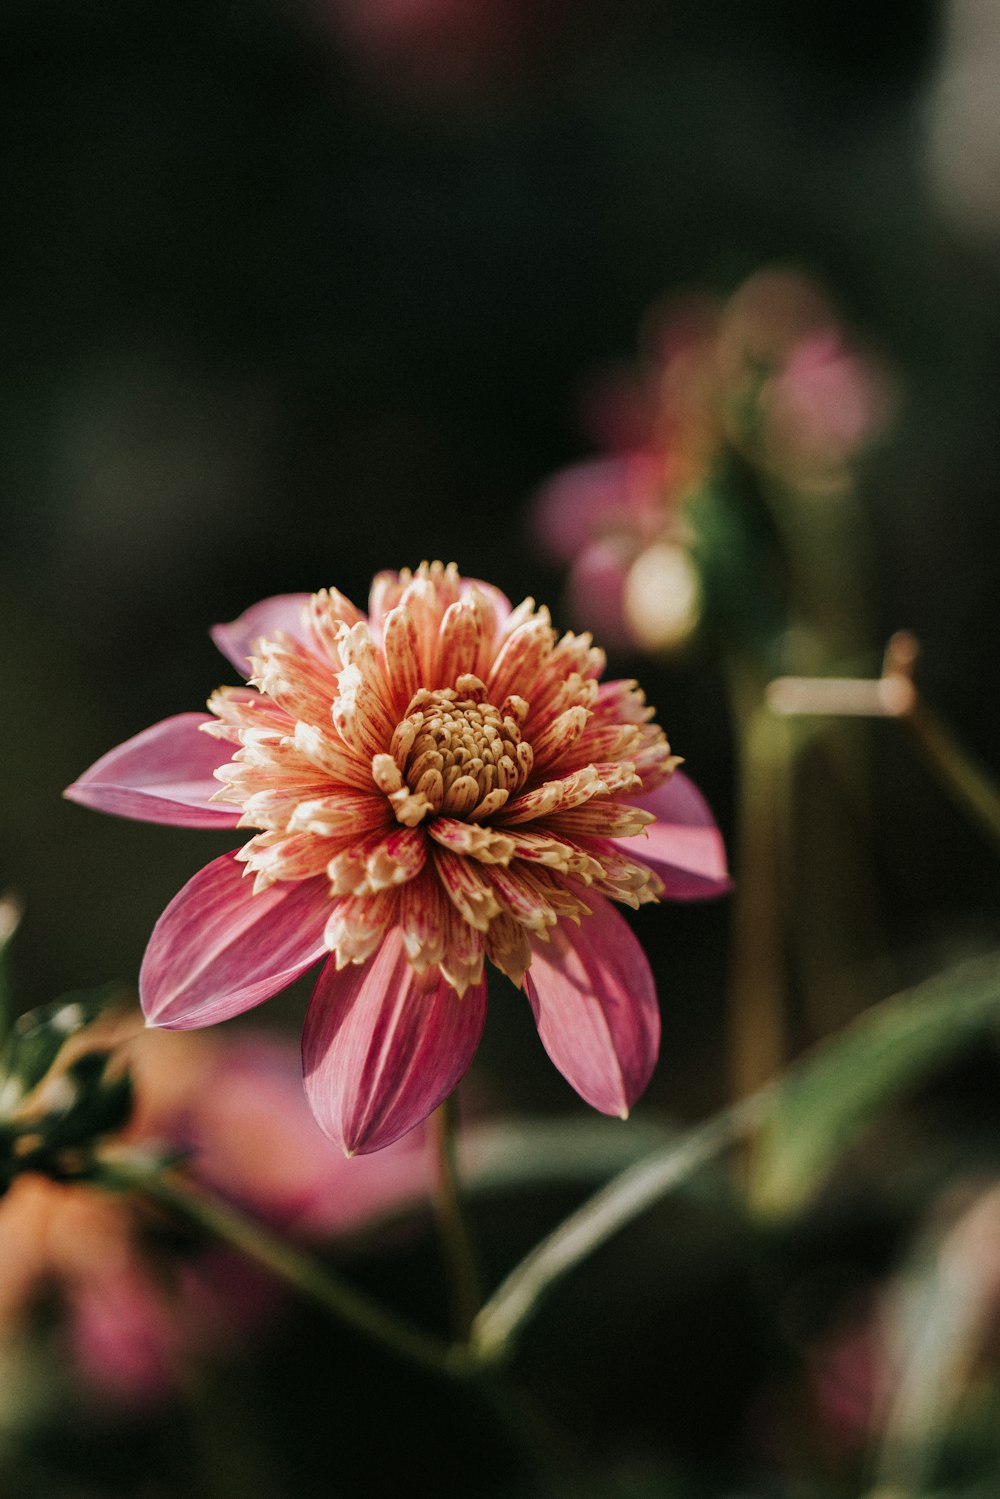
x: 768, y: 373
x: 796, y: 395
x: 137, y: 1309
x: 847, y: 1377
x: 441, y: 782
x: 439, y: 48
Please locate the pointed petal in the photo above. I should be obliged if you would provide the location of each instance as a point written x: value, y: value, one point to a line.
x: 594, y: 1001
x: 683, y: 845
x: 382, y: 1047
x: 238, y: 640
x: 165, y: 774
x: 219, y: 949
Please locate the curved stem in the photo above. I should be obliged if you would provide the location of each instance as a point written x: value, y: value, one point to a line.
x: 456, y: 1241
x: 971, y: 787
x: 895, y: 695
x: 600, y: 1217
x: 135, y: 1173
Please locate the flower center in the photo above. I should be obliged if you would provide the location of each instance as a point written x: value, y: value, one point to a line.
x: 460, y: 755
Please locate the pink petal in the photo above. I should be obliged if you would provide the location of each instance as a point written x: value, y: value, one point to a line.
x: 594, y: 1000
x: 165, y: 774
x: 382, y: 1046
x: 238, y: 640
x: 598, y: 495
x: 501, y: 603
x: 683, y: 845
x: 219, y: 949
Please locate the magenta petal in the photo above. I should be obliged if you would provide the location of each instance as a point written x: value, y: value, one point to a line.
x: 383, y: 1046
x: 219, y: 949
x: 683, y: 845
x: 238, y: 640
x: 165, y: 774
x: 594, y: 1000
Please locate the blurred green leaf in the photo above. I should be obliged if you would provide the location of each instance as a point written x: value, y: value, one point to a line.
x: 801, y: 1123
x: 95, y: 1104
x: 36, y: 1039
x: 523, y: 1152
x: 822, y: 1106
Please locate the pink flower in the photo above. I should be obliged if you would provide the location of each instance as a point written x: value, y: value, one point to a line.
x: 768, y: 374
x: 440, y: 782
x: 799, y: 399
x: 137, y: 1309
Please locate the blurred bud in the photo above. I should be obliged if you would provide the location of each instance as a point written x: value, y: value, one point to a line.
x: 795, y: 396
x: 662, y: 597
x: 11, y: 912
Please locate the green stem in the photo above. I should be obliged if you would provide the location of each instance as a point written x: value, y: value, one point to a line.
x: 970, y: 786
x: 131, y: 1172
x: 456, y: 1241
x: 600, y: 1217
x: 756, y: 1039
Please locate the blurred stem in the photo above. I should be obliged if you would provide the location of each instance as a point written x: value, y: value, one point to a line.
x: 970, y: 786
x: 540, y: 1450
x: 757, y: 1042
x: 10, y: 919
x: 136, y: 1173
x: 894, y: 695
x: 515, y: 1301
x: 456, y: 1240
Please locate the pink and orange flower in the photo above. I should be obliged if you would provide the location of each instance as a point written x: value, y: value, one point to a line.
x: 440, y: 782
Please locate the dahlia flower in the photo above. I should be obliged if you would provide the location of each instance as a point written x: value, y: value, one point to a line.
x: 438, y: 783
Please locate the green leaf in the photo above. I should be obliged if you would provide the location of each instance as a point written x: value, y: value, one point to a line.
x: 520, y: 1153
x: 801, y: 1123
x: 824, y: 1103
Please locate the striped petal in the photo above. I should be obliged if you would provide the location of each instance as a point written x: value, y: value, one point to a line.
x: 594, y: 1002
x: 237, y: 641
x: 219, y: 949
x: 683, y: 846
x: 165, y: 774
x: 382, y: 1047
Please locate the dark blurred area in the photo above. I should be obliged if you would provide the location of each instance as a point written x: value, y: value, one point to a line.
x: 295, y: 290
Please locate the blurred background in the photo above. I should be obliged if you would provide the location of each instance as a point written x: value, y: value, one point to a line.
x: 295, y: 290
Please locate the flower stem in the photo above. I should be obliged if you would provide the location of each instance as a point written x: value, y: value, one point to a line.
x: 757, y: 1040
x: 132, y: 1171
x: 973, y: 790
x: 895, y: 695
x: 456, y: 1240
